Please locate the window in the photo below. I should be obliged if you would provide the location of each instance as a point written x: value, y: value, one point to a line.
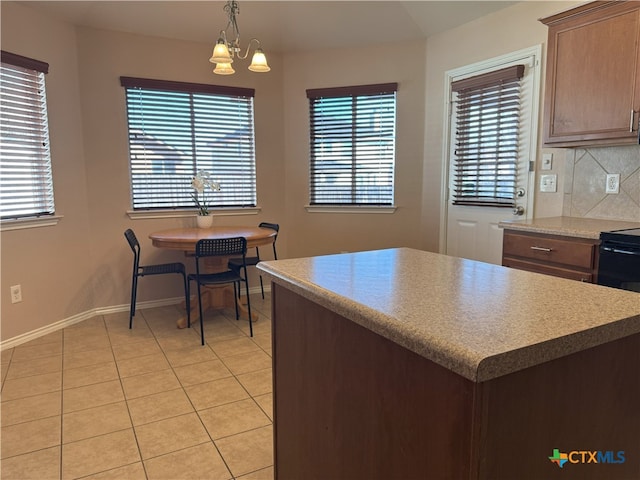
x: 178, y: 129
x: 26, y: 186
x: 352, y: 145
x: 487, y: 128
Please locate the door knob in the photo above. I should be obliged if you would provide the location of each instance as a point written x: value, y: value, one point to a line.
x: 518, y: 210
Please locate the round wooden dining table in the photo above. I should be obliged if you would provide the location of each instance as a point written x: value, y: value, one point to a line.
x: 185, y: 239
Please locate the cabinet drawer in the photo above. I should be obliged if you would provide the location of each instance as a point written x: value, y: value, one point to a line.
x: 550, y: 250
x: 549, y: 270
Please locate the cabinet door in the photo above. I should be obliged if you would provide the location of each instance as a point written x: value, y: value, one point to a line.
x: 593, y: 76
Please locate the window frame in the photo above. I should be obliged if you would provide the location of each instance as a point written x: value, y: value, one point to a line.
x: 342, y: 96
x: 34, y: 71
x: 184, y: 206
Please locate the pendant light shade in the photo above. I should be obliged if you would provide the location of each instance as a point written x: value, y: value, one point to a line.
x: 259, y: 62
x: 221, y: 53
x: 224, y: 69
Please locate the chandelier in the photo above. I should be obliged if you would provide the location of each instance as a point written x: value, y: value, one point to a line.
x: 227, y: 49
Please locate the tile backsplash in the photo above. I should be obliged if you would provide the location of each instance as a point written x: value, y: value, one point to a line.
x: 585, y: 178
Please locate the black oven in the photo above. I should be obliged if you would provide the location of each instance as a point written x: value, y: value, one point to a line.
x: 619, y: 264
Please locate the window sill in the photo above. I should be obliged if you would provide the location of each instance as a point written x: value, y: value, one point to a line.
x: 350, y: 209
x: 223, y: 212
x: 30, y: 222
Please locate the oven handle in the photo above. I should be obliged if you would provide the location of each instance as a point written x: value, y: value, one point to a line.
x: 618, y: 250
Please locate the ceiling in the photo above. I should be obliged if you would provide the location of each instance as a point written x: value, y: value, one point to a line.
x: 281, y: 26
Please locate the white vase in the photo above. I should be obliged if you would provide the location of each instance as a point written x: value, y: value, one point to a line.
x: 204, y: 221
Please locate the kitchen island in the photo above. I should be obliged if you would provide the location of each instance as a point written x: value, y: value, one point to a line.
x: 404, y: 364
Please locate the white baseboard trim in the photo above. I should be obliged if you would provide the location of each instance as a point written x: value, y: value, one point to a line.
x: 80, y: 317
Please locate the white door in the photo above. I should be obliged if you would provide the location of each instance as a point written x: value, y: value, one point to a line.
x: 473, y: 231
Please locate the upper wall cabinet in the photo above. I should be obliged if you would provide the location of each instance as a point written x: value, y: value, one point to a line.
x: 592, y: 93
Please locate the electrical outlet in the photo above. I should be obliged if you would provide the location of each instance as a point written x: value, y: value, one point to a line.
x: 613, y: 183
x: 16, y: 293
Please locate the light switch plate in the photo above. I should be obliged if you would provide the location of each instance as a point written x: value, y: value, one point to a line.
x: 549, y: 183
x: 547, y: 161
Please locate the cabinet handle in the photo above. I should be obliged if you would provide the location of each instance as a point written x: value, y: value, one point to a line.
x: 541, y: 249
x: 633, y: 113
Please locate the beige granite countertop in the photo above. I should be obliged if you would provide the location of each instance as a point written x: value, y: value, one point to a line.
x: 479, y: 320
x: 568, y: 226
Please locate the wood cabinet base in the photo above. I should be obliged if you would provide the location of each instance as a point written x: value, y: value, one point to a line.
x: 350, y: 404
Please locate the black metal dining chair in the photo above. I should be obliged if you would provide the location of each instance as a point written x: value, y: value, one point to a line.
x: 235, y: 263
x: 220, y: 247
x: 145, y: 270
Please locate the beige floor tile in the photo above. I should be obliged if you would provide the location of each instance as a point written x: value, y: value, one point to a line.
x: 149, y: 383
x: 249, y: 451
x: 186, y: 338
x: 263, y: 474
x: 261, y: 327
x: 194, y: 463
x: 81, y: 343
x: 220, y: 328
x: 190, y: 356
x: 247, y: 362
x: 258, y: 382
x: 121, y: 327
x: 169, y: 435
x: 40, y: 465
x: 134, y: 471
x: 233, y: 418
x: 33, y: 385
x: 95, y: 421
x: 30, y: 436
x: 147, y: 346
x: 266, y: 404
x: 93, y: 324
x: 99, y: 454
x: 233, y: 346
x: 159, y: 406
x: 119, y: 319
x: 90, y: 396
x: 217, y: 392
x: 31, y: 408
x: 5, y: 355
x: 36, y: 366
x: 29, y: 351
x: 80, y: 377
x: 202, y: 372
x: 85, y: 359
x: 263, y: 340
x: 122, y: 337
x: 4, y: 369
x: 141, y: 365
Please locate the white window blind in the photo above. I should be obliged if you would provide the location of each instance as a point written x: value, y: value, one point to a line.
x: 352, y: 145
x: 177, y: 129
x: 487, y: 138
x: 26, y: 186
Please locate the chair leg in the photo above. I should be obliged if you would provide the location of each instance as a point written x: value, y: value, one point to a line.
x: 236, y: 298
x: 201, y: 314
x: 246, y: 283
x: 132, y: 308
x: 261, y: 287
x: 187, y: 292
